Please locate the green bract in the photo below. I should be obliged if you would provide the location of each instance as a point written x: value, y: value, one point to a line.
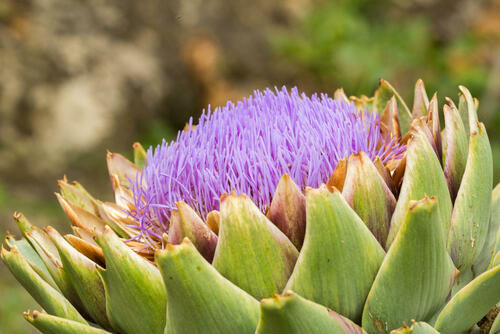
x: 408, y: 246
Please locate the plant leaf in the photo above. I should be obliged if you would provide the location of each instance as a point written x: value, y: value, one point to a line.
x: 47, y: 251
x: 470, y: 304
x: 135, y: 293
x: 423, y: 176
x: 492, y: 243
x: 382, y: 95
x: 416, y: 328
x: 416, y: 275
x: 49, y: 324
x: 33, y: 259
x: 456, y: 148
x: 471, y: 213
x: 185, y: 222
x: 288, y: 210
x: 83, y: 275
x: 495, y: 327
x: 420, y: 100
x: 368, y: 195
x: 200, y: 300
x: 140, y: 155
x: 252, y: 252
x: 289, y: 313
x: 45, y: 295
x: 340, y: 256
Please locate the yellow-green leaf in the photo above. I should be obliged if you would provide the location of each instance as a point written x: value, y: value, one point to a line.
x: 135, y: 293
x: 416, y: 275
x: 470, y: 304
x: 252, y: 252
x: 340, y: 256
x: 200, y: 300
x: 291, y: 314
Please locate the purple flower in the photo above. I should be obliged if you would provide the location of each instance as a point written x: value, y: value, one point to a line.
x: 247, y: 147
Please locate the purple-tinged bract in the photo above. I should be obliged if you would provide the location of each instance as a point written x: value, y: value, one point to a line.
x: 247, y: 147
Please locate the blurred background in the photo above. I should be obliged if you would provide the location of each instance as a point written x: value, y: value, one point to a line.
x: 80, y: 77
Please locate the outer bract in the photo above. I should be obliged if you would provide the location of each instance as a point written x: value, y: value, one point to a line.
x: 389, y: 226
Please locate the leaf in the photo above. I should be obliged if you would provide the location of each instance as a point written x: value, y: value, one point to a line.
x: 470, y: 304
x: 33, y: 259
x: 135, y: 293
x: 492, y: 243
x: 76, y: 194
x: 368, y: 195
x: 382, y: 95
x: 45, y: 295
x: 416, y: 275
x: 471, y: 213
x: 495, y: 327
x: 213, y: 221
x: 48, y: 324
x: 434, y: 126
x: 423, y: 176
x: 416, y: 328
x: 81, y: 217
x: 389, y: 121
x: 47, y: 251
x: 82, y: 273
x: 496, y: 260
x: 289, y: 313
x: 252, y: 252
x: 200, y: 300
x: 140, y: 155
x: 420, y: 100
x: 338, y: 176
x: 340, y: 256
x: 185, y: 222
x: 456, y: 148
x: 467, y: 108
x: 288, y: 210
x: 123, y: 169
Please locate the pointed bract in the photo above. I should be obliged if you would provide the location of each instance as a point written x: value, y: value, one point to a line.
x: 289, y: 313
x: 185, y: 223
x: 420, y: 100
x: 340, y: 257
x: 368, y: 195
x: 200, y: 300
x: 288, y: 210
x: 83, y: 275
x: 48, y: 297
x: 252, y: 252
x: 416, y: 275
x: 129, y: 280
x: 423, y: 176
x: 48, y: 324
x: 470, y: 304
x: 456, y: 148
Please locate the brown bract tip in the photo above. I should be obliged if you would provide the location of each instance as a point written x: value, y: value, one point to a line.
x: 426, y: 199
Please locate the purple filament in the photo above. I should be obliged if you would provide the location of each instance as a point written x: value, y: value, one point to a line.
x: 247, y: 147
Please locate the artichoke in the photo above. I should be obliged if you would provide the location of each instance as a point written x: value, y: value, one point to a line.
x: 282, y: 213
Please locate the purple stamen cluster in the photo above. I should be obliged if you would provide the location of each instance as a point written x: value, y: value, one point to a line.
x: 247, y: 147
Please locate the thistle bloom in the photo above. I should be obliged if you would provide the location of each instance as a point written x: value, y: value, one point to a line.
x: 375, y: 248
x: 246, y: 147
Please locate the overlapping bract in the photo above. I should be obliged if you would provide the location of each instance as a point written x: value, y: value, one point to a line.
x: 374, y: 249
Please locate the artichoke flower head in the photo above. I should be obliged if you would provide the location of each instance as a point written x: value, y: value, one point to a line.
x: 282, y: 213
x: 247, y: 147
